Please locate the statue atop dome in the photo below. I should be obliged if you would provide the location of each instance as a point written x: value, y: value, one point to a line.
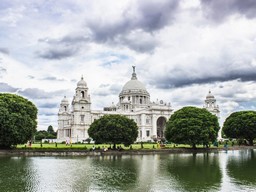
x: 134, y: 76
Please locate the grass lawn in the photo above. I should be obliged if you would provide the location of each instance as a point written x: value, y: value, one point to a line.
x: 101, y: 146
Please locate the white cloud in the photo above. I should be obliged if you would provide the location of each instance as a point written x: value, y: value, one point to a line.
x: 182, y: 49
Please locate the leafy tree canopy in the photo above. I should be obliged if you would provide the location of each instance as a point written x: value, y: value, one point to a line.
x: 50, y: 130
x: 115, y: 129
x: 241, y: 125
x: 17, y: 120
x: 192, y: 125
x: 39, y: 135
x: 49, y: 134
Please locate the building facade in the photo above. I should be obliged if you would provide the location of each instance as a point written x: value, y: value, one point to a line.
x: 134, y: 102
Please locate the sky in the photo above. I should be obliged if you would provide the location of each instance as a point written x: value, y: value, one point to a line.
x: 181, y: 50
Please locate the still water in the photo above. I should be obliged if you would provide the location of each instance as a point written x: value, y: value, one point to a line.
x: 222, y: 171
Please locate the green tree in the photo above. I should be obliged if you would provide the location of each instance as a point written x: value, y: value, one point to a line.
x: 17, y: 120
x: 39, y: 135
x: 241, y: 125
x: 50, y: 130
x: 115, y: 129
x: 193, y: 126
x: 51, y: 133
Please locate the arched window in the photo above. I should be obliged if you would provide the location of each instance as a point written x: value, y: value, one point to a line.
x: 160, y: 123
x: 65, y: 108
x: 82, y: 94
x: 147, y: 133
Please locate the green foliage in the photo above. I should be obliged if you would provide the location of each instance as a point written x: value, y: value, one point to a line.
x: 49, y: 134
x: 115, y: 129
x: 17, y: 120
x: 50, y: 130
x: 193, y: 126
x: 241, y: 125
x: 39, y: 135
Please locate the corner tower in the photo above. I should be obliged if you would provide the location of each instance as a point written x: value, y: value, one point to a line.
x: 64, y: 119
x: 210, y: 104
x: 81, y: 104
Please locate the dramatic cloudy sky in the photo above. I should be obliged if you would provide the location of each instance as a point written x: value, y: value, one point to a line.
x: 181, y: 50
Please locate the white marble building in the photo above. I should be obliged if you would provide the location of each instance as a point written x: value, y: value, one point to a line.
x: 134, y: 102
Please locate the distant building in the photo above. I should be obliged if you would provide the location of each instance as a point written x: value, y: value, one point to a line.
x: 134, y: 102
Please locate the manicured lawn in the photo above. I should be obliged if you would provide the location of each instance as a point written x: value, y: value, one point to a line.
x: 101, y: 146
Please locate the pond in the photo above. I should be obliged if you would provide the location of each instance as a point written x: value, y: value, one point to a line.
x: 221, y: 171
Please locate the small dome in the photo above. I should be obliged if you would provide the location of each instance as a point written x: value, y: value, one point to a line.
x: 81, y: 83
x: 210, y: 95
x: 64, y: 101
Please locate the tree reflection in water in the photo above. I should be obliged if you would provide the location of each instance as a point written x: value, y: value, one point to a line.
x: 223, y: 171
x: 15, y: 173
x: 195, y: 172
x: 241, y: 167
x: 114, y: 173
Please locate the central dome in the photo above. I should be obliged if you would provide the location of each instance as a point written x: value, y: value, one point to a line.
x: 134, y: 86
